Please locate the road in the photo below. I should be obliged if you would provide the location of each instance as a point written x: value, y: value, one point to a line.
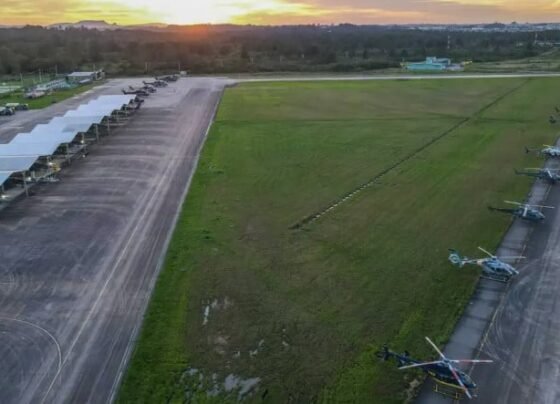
x: 80, y: 257
x: 368, y: 77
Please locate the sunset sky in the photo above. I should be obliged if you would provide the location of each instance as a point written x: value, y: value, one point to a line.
x: 278, y: 11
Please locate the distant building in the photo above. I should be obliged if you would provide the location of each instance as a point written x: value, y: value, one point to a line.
x: 52, y: 85
x: 8, y: 88
x: 85, y: 77
x: 434, y: 64
x: 430, y: 64
x: 546, y: 44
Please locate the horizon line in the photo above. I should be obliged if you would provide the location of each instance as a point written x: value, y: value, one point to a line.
x: 334, y: 24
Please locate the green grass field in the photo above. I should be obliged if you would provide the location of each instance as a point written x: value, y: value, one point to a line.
x: 57, y: 96
x: 298, y: 314
x: 547, y: 61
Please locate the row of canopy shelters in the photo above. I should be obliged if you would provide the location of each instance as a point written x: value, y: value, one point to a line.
x: 32, y: 152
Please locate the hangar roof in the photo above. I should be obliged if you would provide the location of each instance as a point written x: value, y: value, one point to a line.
x: 79, y: 124
x: 54, y: 137
x: 45, y: 148
x: 4, y: 175
x: 17, y: 163
x: 25, y: 148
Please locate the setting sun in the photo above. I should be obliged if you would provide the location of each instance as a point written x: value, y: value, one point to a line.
x: 278, y: 12
x: 214, y: 11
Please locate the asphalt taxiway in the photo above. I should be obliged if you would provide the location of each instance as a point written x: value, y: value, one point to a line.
x: 80, y: 257
x: 517, y: 324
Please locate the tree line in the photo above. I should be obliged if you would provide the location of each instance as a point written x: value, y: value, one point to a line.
x: 237, y: 49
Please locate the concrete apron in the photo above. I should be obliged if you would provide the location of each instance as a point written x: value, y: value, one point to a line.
x: 471, y: 332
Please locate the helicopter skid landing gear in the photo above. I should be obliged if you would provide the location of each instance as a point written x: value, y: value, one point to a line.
x: 502, y: 279
x: 448, y: 391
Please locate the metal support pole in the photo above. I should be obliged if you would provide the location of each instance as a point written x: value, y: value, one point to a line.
x: 96, y: 128
x: 25, y: 184
x: 50, y: 165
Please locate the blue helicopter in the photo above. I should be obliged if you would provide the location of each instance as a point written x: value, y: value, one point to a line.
x: 442, y: 371
x: 493, y: 268
x: 547, y: 151
x: 545, y: 174
x: 523, y: 211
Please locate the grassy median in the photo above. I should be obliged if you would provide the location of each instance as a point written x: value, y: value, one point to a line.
x: 47, y: 100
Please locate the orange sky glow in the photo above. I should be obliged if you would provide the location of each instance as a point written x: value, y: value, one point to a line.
x: 274, y: 12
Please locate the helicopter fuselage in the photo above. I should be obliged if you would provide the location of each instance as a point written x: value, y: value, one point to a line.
x: 529, y: 214
x: 544, y: 175
x: 551, y: 152
x: 524, y: 213
x: 439, y: 371
x: 551, y: 178
x: 493, y: 266
x: 496, y: 267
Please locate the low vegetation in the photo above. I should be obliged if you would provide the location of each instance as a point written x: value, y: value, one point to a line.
x: 548, y: 61
x: 246, y: 307
x: 45, y: 101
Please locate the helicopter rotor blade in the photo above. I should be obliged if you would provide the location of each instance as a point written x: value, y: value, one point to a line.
x: 471, y: 361
x: 436, y: 348
x: 419, y: 365
x: 486, y: 252
x: 456, y: 376
x: 529, y: 205
x: 512, y: 258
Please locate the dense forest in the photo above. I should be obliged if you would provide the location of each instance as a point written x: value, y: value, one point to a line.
x: 229, y: 49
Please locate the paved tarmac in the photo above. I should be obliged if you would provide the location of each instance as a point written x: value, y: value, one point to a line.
x: 80, y: 257
x: 517, y: 325
x: 368, y: 77
x: 524, y: 336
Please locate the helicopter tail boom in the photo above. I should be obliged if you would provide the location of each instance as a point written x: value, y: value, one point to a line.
x: 386, y: 354
x: 457, y: 259
x: 503, y: 210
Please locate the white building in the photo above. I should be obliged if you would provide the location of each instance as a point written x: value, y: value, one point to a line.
x: 85, y: 77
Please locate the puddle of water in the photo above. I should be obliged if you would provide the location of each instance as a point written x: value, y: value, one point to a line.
x: 206, y: 315
x: 255, y: 351
x: 216, y: 304
x: 212, y: 386
x: 244, y: 386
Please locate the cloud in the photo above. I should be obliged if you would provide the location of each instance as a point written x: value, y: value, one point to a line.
x: 51, y: 11
x: 278, y: 11
x: 332, y: 16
